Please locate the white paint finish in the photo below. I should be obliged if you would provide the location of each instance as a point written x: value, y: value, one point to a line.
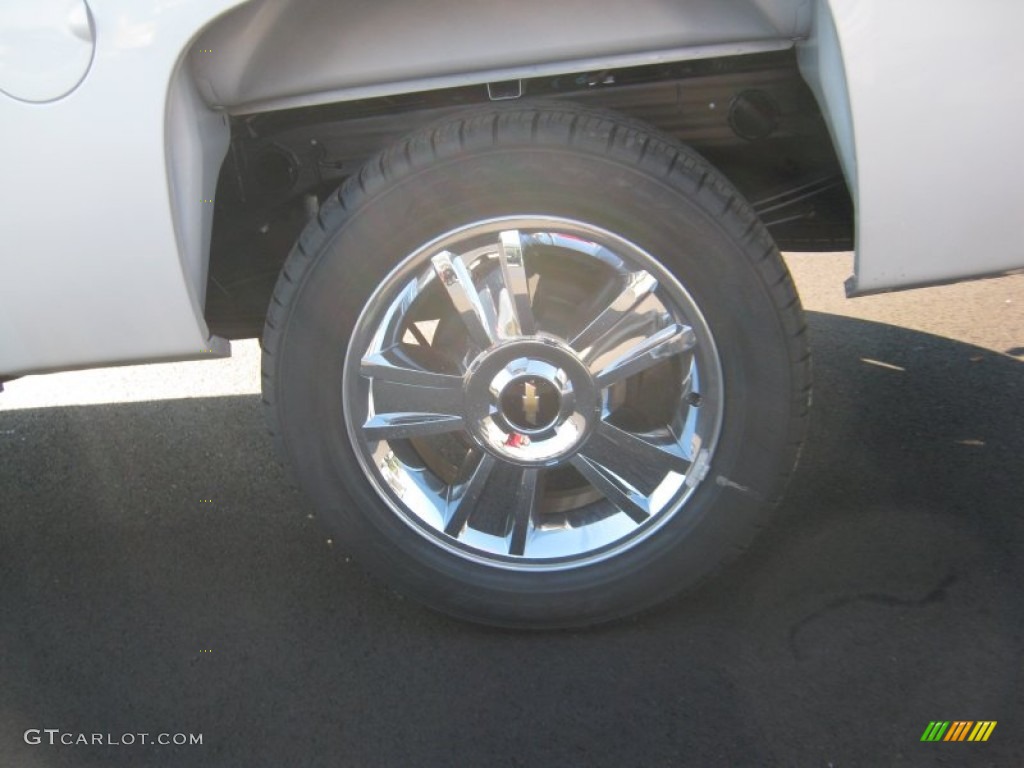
x: 274, y: 54
x: 523, y: 72
x: 821, y: 63
x: 936, y: 90
x: 91, y: 265
x: 46, y: 47
x: 197, y: 140
x: 792, y: 18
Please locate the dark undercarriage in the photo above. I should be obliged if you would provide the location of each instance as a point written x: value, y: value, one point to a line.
x: 752, y: 116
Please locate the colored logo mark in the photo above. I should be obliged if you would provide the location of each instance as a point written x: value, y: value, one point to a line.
x: 958, y: 730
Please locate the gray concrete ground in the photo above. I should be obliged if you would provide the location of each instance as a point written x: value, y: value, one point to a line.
x: 160, y: 576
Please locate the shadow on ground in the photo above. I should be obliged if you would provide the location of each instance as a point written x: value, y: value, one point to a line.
x: 159, y: 575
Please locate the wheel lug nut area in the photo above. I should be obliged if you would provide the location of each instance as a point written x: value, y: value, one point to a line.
x: 530, y: 403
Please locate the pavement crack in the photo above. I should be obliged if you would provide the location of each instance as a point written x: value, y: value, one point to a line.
x: 936, y: 595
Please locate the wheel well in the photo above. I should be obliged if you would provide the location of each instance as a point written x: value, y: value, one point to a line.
x: 752, y: 116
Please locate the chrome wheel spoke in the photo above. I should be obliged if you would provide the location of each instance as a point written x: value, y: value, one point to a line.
x: 636, y: 460
x: 405, y: 424
x: 477, y: 316
x: 612, y: 488
x: 516, y: 290
x: 463, y: 497
x: 639, y: 285
x: 410, y: 402
x: 395, y: 370
x: 505, y: 507
x: 523, y: 507
x: 648, y: 352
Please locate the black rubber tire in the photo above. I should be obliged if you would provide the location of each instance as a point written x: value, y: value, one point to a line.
x: 560, y: 160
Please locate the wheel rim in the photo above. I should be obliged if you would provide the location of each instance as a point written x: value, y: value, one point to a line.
x: 533, y: 393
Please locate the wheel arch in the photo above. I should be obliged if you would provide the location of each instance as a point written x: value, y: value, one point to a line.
x: 276, y: 55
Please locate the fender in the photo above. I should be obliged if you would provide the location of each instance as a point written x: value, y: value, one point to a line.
x: 104, y: 257
x: 923, y: 98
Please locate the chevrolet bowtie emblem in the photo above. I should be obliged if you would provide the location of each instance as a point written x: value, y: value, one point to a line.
x: 531, y: 403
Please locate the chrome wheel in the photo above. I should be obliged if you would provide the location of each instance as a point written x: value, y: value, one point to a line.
x: 533, y: 393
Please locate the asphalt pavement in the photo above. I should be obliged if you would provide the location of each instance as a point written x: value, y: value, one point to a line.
x: 160, y: 576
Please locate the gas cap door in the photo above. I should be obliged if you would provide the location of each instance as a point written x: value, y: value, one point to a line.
x: 46, y: 47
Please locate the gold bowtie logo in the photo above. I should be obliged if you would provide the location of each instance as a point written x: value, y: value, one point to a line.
x: 531, y: 403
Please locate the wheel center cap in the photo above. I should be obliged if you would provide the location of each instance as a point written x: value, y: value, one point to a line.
x: 531, y: 403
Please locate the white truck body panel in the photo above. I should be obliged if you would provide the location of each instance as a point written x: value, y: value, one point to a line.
x: 94, y: 267
x: 936, y: 93
x: 922, y: 98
